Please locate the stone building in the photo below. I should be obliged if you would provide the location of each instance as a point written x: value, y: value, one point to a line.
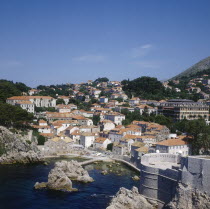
x: 180, y: 109
x: 87, y: 139
x: 38, y: 101
x: 119, y: 149
x: 116, y: 117
x: 26, y: 105
x: 106, y: 125
x: 101, y: 143
x: 58, y: 145
x: 177, y: 145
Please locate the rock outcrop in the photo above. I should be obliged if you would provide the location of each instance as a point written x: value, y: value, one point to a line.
x: 61, y: 175
x: 16, y: 150
x: 57, y: 180
x: 136, y: 178
x: 74, y: 171
x: 21, y: 157
x: 129, y: 199
x: 190, y: 198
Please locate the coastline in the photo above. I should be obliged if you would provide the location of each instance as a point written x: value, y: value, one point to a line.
x: 91, y: 159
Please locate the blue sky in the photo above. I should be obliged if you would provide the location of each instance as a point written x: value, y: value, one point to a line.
x: 59, y: 41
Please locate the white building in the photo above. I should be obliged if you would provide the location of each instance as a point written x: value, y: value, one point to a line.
x: 134, y: 101
x: 26, y: 105
x: 87, y: 139
x: 63, y: 108
x: 119, y: 149
x: 33, y: 91
x: 104, y: 100
x: 106, y: 125
x: 65, y: 99
x: 147, y: 109
x: 43, y: 127
x: 177, y: 145
x: 116, y: 117
x: 101, y: 143
x: 115, y: 135
x: 38, y: 101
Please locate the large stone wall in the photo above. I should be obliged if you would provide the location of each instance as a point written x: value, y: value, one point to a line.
x: 160, y: 157
x: 156, y: 183
x: 195, y: 171
x: 161, y: 173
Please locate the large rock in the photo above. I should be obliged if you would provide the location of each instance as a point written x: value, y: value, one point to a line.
x: 21, y: 157
x: 74, y: 171
x: 129, y: 199
x: 57, y: 180
x: 16, y: 150
x: 189, y: 198
x: 61, y: 175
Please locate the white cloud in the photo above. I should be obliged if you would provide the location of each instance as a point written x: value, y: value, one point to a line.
x: 141, y: 51
x: 146, y: 46
x: 90, y: 58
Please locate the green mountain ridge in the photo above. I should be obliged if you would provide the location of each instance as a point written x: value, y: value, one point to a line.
x: 198, y: 67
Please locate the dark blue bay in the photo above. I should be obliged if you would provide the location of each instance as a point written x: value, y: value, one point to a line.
x: 17, y: 181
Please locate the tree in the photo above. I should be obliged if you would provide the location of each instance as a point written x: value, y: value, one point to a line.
x: 199, y: 133
x: 110, y: 146
x: 60, y: 101
x: 102, y: 79
x: 22, y: 87
x: 162, y: 120
x: 8, y: 89
x: 44, y: 109
x: 96, y: 119
x: 41, y: 139
x: 14, y: 116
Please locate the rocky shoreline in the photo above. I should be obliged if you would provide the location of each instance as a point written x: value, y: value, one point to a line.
x: 130, y: 199
x: 62, y: 175
x: 190, y: 198
x: 14, y: 149
x: 21, y: 157
x: 186, y: 198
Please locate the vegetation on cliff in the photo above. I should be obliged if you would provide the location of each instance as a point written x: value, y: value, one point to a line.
x: 201, y: 66
x: 9, y: 89
x: 14, y: 116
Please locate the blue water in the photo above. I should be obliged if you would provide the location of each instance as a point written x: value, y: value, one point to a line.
x: 17, y: 181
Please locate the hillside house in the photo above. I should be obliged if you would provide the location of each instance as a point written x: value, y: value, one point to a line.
x: 116, y: 117
x: 87, y: 139
x: 101, y: 143
x: 178, y: 145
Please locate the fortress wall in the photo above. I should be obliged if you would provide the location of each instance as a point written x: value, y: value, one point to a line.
x: 160, y: 184
x: 160, y: 157
x: 196, y: 173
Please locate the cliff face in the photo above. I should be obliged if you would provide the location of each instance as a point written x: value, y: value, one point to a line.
x: 200, y: 66
x: 189, y: 198
x: 15, y: 150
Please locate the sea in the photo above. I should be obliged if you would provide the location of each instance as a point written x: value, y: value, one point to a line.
x: 17, y: 187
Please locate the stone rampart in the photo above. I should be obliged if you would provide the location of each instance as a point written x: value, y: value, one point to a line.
x: 158, y: 179
x: 195, y: 171
x: 160, y: 157
x: 161, y: 173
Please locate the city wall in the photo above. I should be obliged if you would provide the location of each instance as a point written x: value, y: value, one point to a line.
x: 161, y: 173
x: 156, y: 183
x: 195, y: 171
